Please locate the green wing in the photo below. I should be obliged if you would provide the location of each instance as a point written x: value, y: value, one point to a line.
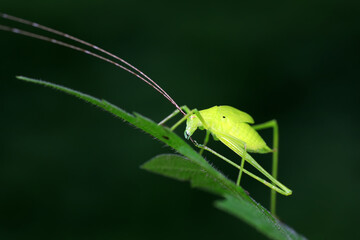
x: 235, y: 114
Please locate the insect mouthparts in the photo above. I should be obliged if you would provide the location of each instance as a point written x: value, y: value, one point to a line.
x: 187, y: 135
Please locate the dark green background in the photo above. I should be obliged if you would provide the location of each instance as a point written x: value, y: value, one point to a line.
x: 71, y: 171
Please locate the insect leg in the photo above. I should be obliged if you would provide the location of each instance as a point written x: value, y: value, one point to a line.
x: 272, y: 124
x: 185, y: 108
x: 196, y: 112
x: 180, y: 121
x: 242, y: 167
x: 206, y: 140
x: 238, y: 147
x: 279, y: 190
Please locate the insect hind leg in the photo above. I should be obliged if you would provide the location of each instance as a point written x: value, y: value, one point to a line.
x: 282, y: 189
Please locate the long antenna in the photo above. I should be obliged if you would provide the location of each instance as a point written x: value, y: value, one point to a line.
x: 136, y: 72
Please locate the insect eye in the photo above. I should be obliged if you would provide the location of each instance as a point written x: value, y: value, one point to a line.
x: 223, y: 116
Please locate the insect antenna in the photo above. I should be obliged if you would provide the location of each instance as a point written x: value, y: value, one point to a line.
x: 130, y: 68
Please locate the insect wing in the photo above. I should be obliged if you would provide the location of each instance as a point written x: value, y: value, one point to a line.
x: 235, y: 114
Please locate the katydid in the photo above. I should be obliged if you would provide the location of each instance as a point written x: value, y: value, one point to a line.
x: 226, y: 124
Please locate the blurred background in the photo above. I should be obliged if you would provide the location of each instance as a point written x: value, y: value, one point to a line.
x: 71, y: 171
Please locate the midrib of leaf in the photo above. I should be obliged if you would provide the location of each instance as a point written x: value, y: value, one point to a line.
x: 235, y: 201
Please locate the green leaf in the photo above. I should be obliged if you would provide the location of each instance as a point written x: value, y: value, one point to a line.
x: 235, y: 202
x: 194, y: 168
x: 180, y: 168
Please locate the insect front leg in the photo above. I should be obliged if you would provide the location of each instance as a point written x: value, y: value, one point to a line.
x: 275, y: 161
x: 185, y: 108
x: 206, y: 140
x: 188, y: 113
x: 207, y: 136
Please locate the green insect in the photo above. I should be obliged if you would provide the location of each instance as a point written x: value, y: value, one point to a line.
x: 232, y: 127
x: 226, y: 124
